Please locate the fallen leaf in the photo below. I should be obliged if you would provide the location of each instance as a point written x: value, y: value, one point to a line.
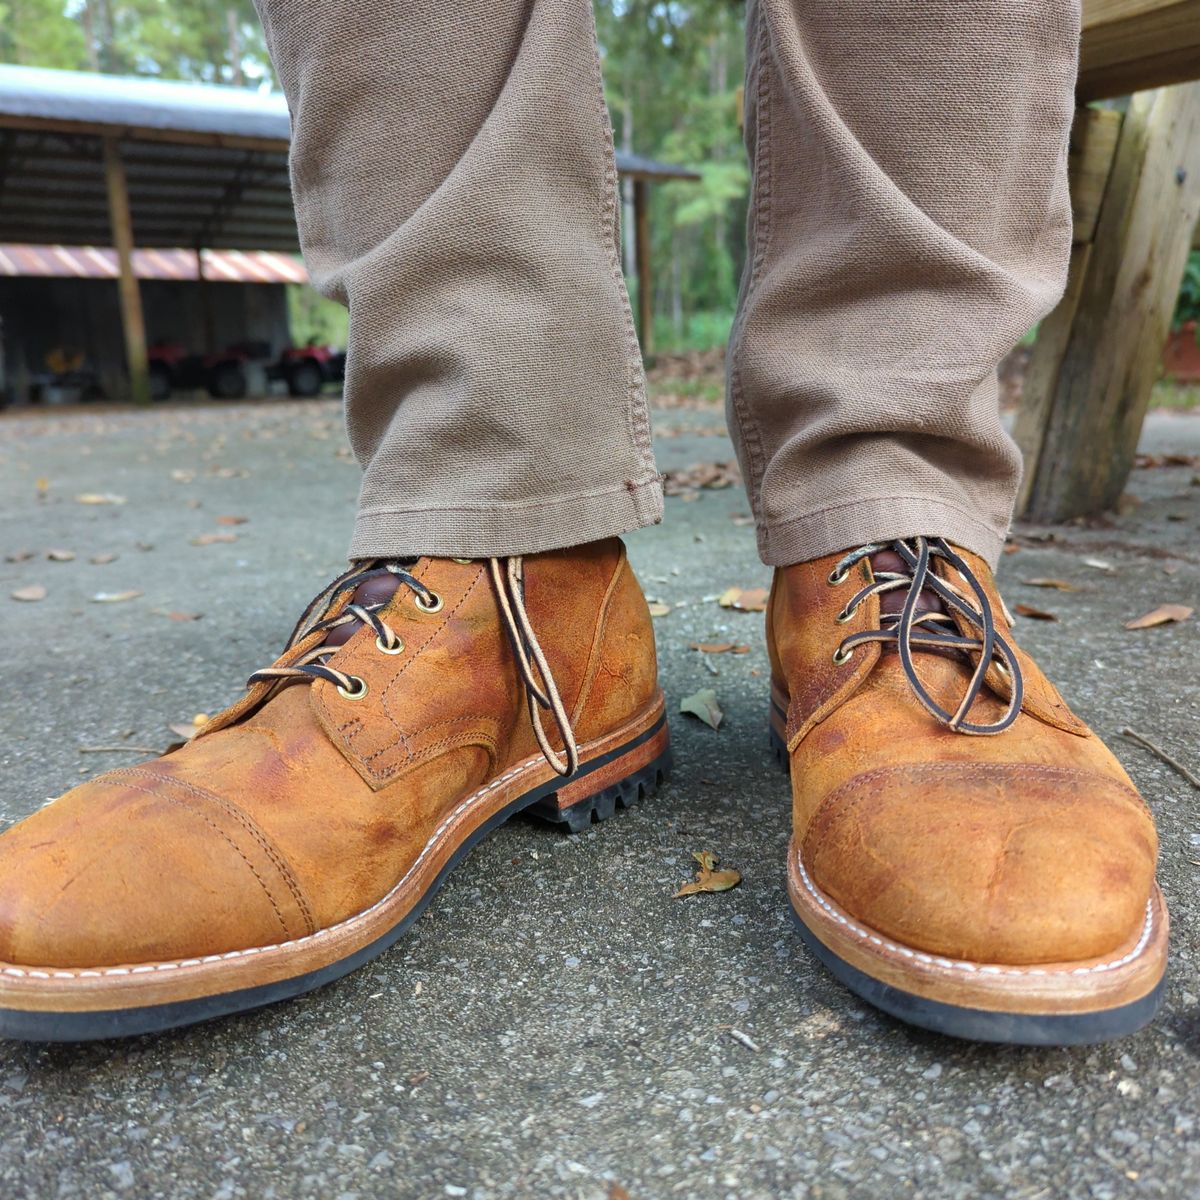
x: 99, y: 498
x: 187, y: 732
x: 181, y: 476
x: 34, y: 591
x: 1060, y: 585
x: 20, y: 556
x: 208, y: 539
x: 708, y: 878
x: 703, y: 704
x: 1012, y: 548
x: 114, y: 597
x: 232, y: 520
x: 101, y: 559
x: 42, y: 484
x: 1036, y: 614
x: 687, y: 482
x: 658, y: 608
x: 61, y: 555
x: 744, y: 599
x: 719, y: 647
x: 184, y: 616
x: 1162, y: 615
x: 1100, y: 564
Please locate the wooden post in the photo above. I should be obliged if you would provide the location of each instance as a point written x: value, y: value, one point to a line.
x: 1091, y: 383
x: 207, y: 312
x: 132, y: 321
x: 641, y: 222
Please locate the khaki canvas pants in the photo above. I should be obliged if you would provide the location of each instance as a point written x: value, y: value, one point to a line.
x: 453, y: 172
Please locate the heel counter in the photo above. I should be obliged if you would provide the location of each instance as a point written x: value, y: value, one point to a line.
x: 622, y: 675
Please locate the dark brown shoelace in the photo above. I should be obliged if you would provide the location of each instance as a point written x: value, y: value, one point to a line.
x: 912, y: 629
x: 508, y: 582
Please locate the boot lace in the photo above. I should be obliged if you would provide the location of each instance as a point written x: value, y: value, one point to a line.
x: 909, y: 630
x: 507, y: 575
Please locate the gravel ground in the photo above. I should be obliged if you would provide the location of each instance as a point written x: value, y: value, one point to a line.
x: 557, y: 1025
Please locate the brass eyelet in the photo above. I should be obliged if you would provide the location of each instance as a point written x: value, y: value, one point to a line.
x: 359, y: 692
x: 465, y: 562
x: 847, y: 614
x: 842, y: 656
x: 1002, y: 668
x: 434, y: 605
x: 384, y: 648
x: 836, y: 577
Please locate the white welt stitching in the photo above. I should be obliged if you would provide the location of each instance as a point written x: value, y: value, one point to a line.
x: 954, y: 964
x: 148, y: 968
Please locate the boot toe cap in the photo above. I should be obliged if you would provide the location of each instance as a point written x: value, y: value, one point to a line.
x: 992, y: 863
x: 136, y: 867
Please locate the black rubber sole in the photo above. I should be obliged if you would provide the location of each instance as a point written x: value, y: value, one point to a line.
x: 26, y: 1026
x: 984, y: 1025
x: 978, y: 1024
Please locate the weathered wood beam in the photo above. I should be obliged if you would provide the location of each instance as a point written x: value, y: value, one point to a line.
x: 1091, y: 380
x: 132, y: 321
x: 1131, y: 45
x: 645, y: 272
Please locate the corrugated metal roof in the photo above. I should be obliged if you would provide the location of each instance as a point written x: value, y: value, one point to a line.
x: 143, y: 103
x: 100, y: 262
x: 165, y: 106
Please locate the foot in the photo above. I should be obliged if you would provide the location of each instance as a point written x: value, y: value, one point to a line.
x: 998, y: 886
x: 416, y: 707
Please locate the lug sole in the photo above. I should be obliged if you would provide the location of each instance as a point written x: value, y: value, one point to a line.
x: 44, y: 1004
x: 1052, y: 1004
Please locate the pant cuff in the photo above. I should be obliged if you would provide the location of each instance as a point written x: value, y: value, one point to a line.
x: 502, y: 530
x: 877, y: 519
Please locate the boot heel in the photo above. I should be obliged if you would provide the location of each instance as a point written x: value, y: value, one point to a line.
x: 615, y: 780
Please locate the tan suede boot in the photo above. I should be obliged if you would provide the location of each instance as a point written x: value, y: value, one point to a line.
x: 998, y: 886
x: 309, y: 824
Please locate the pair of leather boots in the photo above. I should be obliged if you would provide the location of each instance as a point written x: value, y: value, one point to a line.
x: 966, y: 854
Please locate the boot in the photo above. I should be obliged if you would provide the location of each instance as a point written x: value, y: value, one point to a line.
x: 967, y: 854
x: 307, y: 826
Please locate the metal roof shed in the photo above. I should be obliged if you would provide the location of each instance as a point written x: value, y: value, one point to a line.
x: 85, y: 159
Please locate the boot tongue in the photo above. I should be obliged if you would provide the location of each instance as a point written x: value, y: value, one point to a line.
x: 893, y: 601
x: 378, y: 590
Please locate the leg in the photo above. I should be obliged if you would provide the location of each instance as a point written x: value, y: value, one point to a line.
x: 455, y: 187
x: 910, y: 222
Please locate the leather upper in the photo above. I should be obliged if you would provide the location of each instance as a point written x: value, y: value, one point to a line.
x: 296, y: 807
x: 1024, y: 847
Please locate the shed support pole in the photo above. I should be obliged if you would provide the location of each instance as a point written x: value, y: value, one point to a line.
x: 1089, y: 384
x: 641, y: 222
x: 132, y: 320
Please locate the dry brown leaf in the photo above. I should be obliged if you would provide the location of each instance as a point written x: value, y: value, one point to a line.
x: 232, y: 520
x: 658, y: 608
x: 184, y: 616
x: 20, y: 556
x: 1035, y: 614
x: 703, y: 704
x: 744, y: 599
x: 708, y: 878
x: 101, y: 559
x: 115, y: 597
x: 687, y: 482
x: 208, y: 539
x: 34, y: 591
x: 99, y: 498
x: 1164, y: 614
x: 719, y: 647
x: 1060, y: 585
x: 60, y: 555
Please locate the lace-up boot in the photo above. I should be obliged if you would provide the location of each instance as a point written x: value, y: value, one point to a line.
x: 307, y: 825
x: 967, y: 854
